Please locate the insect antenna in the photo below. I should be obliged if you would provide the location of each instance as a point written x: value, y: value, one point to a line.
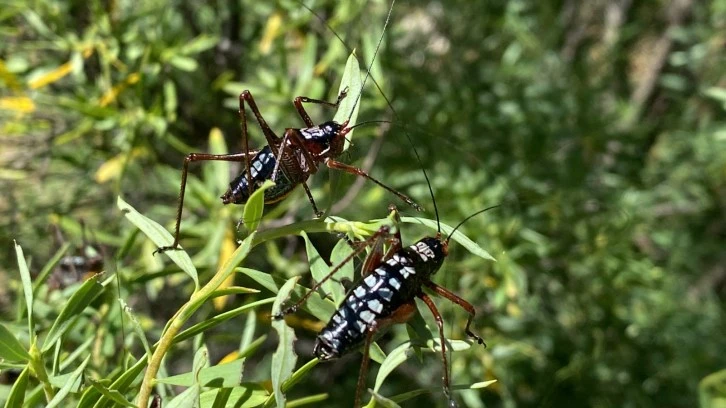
x: 375, y: 53
x: 388, y: 101
x: 468, y: 218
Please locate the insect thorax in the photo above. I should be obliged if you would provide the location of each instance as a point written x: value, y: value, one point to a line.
x: 324, y: 140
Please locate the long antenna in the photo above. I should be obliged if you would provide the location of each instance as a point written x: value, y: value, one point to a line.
x: 388, y: 101
x: 375, y: 53
x: 468, y: 218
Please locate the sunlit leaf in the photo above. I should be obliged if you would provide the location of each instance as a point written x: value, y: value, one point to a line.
x: 21, y: 104
x: 320, y: 269
x: 161, y: 237
x: 27, y: 285
x: 458, y: 236
x: 222, y: 375
x: 272, y: 31
x: 349, y: 106
x: 284, y: 357
x: 51, y: 76
x: 255, y: 206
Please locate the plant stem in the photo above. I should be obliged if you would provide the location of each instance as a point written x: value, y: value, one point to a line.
x: 37, y: 368
x: 204, y: 293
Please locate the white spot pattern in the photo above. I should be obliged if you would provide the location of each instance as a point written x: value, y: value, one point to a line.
x: 385, y: 293
x: 395, y: 283
x: 370, y: 280
x: 367, y: 316
x: 407, y: 271
x: 424, y: 251
x: 375, y: 305
x: 359, y: 291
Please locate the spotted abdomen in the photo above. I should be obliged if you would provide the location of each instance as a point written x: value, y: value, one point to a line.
x: 261, y: 169
x: 391, y: 285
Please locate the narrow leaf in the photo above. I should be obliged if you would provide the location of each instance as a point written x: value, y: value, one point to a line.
x: 320, y: 269
x: 321, y: 308
x: 255, y: 207
x: 17, y: 393
x: 220, y: 318
x: 458, y: 236
x: 220, y: 376
x: 160, y: 237
x: 383, y: 401
x: 346, y: 272
x: 349, y: 106
x: 72, y: 383
x: 404, y: 351
x: 27, y: 285
x: 189, y: 398
x: 80, y: 299
x: 10, y: 347
x: 243, y: 396
x: 111, y: 394
x: 284, y: 358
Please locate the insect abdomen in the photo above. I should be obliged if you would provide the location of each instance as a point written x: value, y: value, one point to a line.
x: 374, y: 298
x: 261, y: 169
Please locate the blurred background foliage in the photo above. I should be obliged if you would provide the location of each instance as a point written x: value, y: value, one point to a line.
x: 599, y: 126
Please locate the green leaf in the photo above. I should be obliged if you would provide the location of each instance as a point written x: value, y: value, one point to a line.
x: 135, y: 326
x: 184, y: 63
x: 320, y: 269
x: 188, y: 398
x: 247, y: 395
x: 350, y: 105
x: 27, y: 285
x: 225, y: 375
x: 255, y: 206
x: 404, y: 351
x: 340, y: 252
x: 312, y: 399
x: 298, y: 375
x: 220, y: 318
x: 458, y: 236
x: 10, y: 347
x: 160, y: 237
x: 284, y: 358
x: 80, y: 299
x: 109, y: 393
x: 383, y: 401
x: 72, y: 384
x: 199, y: 44
x: 322, y: 309
x: 120, y: 385
x: 17, y: 393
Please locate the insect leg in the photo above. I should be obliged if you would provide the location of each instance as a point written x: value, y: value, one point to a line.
x: 318, y: 213
x: 193, y: 157
x: 292, y: 309
x: 440, y: 324
x: 304, y: 99
x: 461, y: 302
x: 293, y: 135
x: 376, y: 256
x: 400, y: 315
x: 270, y: 136
x: 333, y: 164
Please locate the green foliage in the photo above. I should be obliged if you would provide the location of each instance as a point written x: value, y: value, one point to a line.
x: 599, y: 128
